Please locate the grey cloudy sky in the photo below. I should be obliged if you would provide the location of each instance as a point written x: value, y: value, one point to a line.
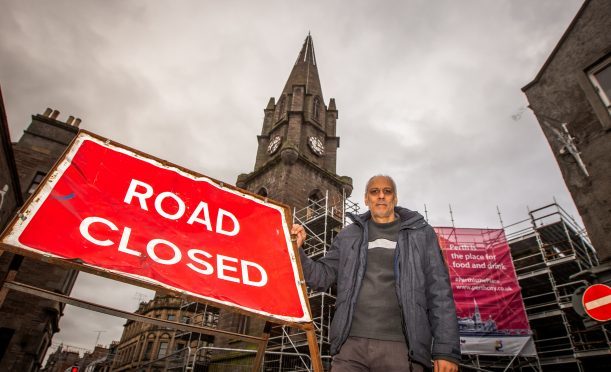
x: 425, y: 90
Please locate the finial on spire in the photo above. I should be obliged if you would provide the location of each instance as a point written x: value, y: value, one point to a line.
x: 305, y: 71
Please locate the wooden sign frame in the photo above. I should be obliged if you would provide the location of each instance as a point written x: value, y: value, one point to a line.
x: 7, y: 282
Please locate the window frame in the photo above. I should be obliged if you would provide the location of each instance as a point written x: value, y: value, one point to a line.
x: 600, y: 90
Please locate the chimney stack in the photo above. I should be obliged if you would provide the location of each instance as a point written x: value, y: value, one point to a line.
x: 77, y: 122
x: 54, y: 114
x: 47, y: 112
x: 70, y: 120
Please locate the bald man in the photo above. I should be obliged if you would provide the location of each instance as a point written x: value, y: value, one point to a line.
x: 394, y: 309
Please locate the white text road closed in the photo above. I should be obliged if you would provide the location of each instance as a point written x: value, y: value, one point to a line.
x: 123, y: 214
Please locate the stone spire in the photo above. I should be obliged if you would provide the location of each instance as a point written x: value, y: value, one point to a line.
x: 305, y: 71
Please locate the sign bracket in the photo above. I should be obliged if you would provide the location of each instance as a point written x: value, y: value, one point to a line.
x: 260, y: 341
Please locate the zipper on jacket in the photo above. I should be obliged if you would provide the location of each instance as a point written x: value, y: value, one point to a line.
x: 398, y: 281
x: 397, y: 277
x: 353, y: 297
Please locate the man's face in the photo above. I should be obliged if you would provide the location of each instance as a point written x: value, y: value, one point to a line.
x: 381, y: 199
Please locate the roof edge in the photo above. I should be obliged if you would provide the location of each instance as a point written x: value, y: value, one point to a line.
x: 557, y: 47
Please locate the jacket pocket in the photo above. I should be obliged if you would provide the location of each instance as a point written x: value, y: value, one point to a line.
x: 339, y: 320
x: 422, y: 326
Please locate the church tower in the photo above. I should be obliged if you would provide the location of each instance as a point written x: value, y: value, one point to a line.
x: 297, y: 151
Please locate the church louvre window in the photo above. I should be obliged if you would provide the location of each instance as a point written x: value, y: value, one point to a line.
x: 281, y: 108
x: 262, y: 191
x: 316, y: 108
x: 315, y: 203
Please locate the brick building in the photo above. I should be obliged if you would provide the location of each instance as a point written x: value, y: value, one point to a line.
x: 25, y: 336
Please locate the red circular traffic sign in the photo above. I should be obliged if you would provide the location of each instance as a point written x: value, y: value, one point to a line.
x: 596, y: 301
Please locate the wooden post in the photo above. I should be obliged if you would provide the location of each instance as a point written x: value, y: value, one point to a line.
x: 308, y: 327
x: 313, y: 344
x: 262, y: 346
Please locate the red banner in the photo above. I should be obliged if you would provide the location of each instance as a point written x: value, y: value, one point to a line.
x: 121, y: 212
x: 489, y: 305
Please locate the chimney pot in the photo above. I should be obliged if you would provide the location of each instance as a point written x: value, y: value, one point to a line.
x: 77, y: 122
x: 54, y: 114
x: 47, y: 112
x: 70, y: 120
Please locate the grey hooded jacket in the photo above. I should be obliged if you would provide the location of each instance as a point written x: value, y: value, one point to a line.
x: 421, y: 280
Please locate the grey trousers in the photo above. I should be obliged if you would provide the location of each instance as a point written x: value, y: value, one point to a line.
x: 369, y: 355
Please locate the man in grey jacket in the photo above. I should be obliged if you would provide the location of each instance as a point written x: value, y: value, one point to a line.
x: 394, y: 308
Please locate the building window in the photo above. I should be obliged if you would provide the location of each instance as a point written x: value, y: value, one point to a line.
x: 243, y: 322
x: 148, y: 350
x: 163, y: 349
x: 185, y: 319
x: 5, y: 338
x: 600, y: 76
x: 35, y: 182
x: 171, y: 317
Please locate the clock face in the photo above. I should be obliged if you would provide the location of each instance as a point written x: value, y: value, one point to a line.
x: 316, y: 145
x: 274, y: 144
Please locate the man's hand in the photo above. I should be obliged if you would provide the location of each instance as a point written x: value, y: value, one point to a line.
x: 441, y: 365
x: 298, y: 233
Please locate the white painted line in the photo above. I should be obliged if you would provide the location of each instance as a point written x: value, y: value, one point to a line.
x: 598, y: 303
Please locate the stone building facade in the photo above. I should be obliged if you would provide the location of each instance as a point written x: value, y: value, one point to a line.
x: 295, y: 164
x: 147, y: 347
x: 92, y: 361
x: 62, y: 359
x: 25, y: 336
x: 570, y: 96
x: 297, y: 153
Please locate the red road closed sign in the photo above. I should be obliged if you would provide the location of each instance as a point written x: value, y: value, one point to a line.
x: 124, y: 214
x: 597, y: 302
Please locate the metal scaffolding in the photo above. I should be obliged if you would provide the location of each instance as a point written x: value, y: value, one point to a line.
x: 198, y: 314
x: 549, y: 250
x: 150, y: 347
x: 322, y: 219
